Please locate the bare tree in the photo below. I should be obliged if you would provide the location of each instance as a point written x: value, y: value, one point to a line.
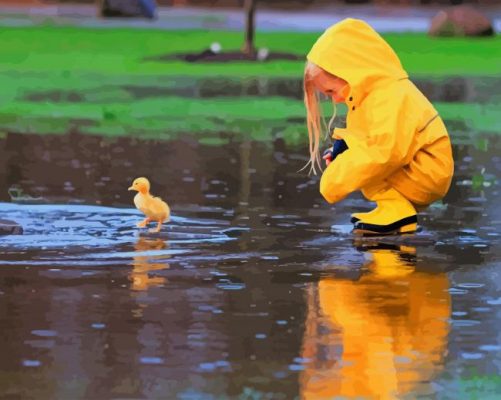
x: 248, y: 47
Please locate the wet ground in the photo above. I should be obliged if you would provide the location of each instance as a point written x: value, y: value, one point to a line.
x: 255, y: 290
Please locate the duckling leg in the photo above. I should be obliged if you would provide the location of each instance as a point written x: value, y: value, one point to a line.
x: 143, y: 223
x: 157, y: 229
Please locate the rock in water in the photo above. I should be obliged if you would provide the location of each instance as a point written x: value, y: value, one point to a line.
x: 10, y: 228
x: 234, y: 231
x: 460, y: 21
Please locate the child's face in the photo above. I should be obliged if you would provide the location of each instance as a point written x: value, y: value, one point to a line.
x: 330, y: 85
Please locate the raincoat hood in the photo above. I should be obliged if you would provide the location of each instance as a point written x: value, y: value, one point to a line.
x: 355, y: 52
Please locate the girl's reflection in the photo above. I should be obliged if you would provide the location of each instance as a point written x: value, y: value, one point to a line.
x: 380, y: 337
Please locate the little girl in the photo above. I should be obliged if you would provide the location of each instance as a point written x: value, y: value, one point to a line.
x: 395, y: 147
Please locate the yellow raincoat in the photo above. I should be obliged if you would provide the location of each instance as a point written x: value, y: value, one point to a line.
x: 393, y: 132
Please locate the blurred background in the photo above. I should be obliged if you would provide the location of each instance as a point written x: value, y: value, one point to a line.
x: 207, y: 73
x: 256, y: 288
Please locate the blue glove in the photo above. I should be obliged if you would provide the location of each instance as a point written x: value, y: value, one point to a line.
x: 337, y: 148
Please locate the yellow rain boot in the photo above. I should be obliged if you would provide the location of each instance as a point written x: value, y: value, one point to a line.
x: 371, y: 194
x: 393, y: 214
x: 355, y: 217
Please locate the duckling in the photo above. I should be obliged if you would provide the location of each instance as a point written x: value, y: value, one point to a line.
x: 154, y: 208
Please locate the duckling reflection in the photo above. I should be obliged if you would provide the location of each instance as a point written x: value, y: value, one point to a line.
x: 382, y: 337
x: 144, y: 264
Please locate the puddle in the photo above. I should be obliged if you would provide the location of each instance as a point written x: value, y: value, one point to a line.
x: 264, y: 286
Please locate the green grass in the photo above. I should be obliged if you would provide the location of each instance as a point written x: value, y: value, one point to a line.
x: 121, y: 51
x: 162, y: 118
x: 168, y: 117
x: 95, y: 65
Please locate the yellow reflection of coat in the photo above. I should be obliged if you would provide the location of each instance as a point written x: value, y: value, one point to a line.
x: 393, y: 132
x: 390, y: 329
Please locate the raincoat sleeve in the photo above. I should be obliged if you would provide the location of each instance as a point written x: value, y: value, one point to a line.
x: 375, y: 154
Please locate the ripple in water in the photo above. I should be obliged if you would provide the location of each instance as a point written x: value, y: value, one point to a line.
x: 151, y: 360
x: 31, y: 363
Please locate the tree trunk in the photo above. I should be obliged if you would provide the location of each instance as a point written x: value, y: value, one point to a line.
x: 249, y: 8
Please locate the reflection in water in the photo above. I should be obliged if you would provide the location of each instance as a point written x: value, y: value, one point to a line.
x: 453, y: 89
x: 144, y: 264
x: 380, y: 337
x: 224, y: 329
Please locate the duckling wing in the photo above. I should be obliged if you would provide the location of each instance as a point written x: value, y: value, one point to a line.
x: 147, y: 205
x: 160, y: 207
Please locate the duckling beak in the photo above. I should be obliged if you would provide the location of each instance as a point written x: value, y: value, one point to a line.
x: 131, y: 188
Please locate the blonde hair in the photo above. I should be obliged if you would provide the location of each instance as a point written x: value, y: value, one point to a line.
x: 315, y: 122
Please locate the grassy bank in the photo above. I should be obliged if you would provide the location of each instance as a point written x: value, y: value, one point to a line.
x: 57, y: 79
x: 121, y: 51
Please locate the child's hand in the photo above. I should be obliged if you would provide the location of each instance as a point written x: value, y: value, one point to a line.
x: 328, y: 155
x: 332, y: 152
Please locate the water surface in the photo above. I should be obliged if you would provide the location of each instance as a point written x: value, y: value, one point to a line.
x: 256, y: 289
